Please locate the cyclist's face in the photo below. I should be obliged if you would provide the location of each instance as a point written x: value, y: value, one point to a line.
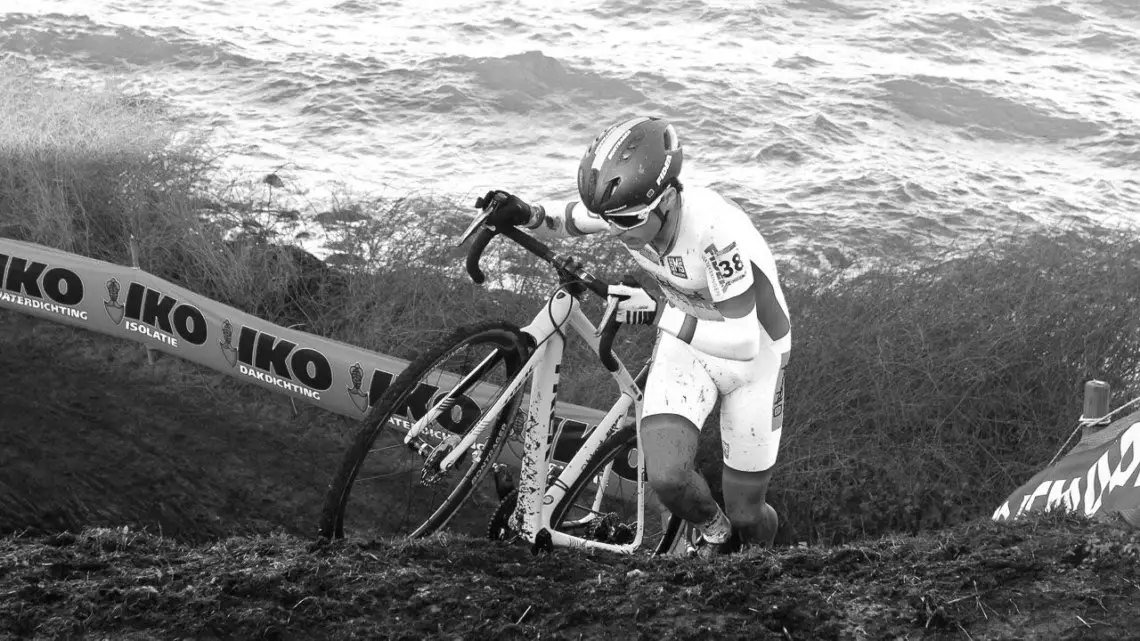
x: 639, y: 236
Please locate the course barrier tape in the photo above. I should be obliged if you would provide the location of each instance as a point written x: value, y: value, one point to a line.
x: 129, y: 303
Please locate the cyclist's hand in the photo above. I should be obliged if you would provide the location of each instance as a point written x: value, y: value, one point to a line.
x: 634, y: 305
x: 506, y: 209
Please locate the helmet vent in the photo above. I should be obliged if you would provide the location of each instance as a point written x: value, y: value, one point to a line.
x: 592, y: 185
x: 672, y: 142
x: 610, y: 187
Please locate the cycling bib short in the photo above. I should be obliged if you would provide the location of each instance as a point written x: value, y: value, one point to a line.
x: 687, y: 382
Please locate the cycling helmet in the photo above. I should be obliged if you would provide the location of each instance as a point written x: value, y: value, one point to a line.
x: 627, y: 167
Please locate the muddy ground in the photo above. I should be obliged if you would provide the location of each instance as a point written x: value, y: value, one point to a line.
x: 164, y: 501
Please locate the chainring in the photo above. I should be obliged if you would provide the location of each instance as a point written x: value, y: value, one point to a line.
x: 499, y: 527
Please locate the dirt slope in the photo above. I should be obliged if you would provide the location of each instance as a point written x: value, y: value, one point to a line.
x: 225, y: 483
x: 90, y: 434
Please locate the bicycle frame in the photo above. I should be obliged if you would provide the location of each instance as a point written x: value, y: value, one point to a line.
x: 536, y: 501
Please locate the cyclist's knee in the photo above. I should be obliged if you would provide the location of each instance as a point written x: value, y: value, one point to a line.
x: 673, y: 426
x: 670, y: 444
x: 670, y: 482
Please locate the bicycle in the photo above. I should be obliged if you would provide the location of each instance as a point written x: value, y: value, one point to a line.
x: 434, y: 420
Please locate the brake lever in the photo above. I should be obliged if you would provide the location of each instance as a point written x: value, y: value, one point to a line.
x: 608, y: 315
x: 481, y: 220
x: 476, y: 223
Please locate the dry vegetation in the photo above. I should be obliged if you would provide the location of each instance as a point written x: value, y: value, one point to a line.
x: 967, y: 369
x: 1052, y: 579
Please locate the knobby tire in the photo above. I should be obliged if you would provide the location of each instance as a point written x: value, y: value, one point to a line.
x: 515, y: 347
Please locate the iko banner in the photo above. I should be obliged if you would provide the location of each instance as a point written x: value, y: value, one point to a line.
x: 130, y: 303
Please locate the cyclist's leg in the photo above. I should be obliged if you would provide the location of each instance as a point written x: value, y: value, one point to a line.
x: 745, y: 501
x: 679, y: 395
x: 670, y: 444
x: 751, y: 426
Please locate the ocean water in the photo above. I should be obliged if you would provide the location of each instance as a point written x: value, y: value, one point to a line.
x: 846, y: 128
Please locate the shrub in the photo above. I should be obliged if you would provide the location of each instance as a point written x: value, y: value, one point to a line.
x: 919, y: 394
x: 923, y: 395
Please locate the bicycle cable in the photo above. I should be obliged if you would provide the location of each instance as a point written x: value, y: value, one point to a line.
x: 558, y: 324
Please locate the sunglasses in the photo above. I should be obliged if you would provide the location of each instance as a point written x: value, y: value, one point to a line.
x: 632, y: 219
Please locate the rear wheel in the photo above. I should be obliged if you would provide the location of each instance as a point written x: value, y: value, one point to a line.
x: 386, y: 488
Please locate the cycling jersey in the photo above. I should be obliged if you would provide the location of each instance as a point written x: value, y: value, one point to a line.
x: 717, y: 254
x: 702, y: 355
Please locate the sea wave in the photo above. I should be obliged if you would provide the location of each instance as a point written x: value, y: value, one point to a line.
x: 831, y: 7
x: 1058, y: 13
x: 520, y: 84
x: 1118, y: 149
x: 979, y: 112
x: 1126, y: 9
x: 536, y: 75
x: 82, y: 40
x: 844, y: 124
x: 1102, y: 41
x: 797, y: 62
x: 962, y: 28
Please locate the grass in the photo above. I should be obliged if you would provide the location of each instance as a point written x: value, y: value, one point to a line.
x: 190, y: 515
x: 969, y: 368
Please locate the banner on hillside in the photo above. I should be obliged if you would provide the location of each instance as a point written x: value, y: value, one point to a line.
x: 1098, y: 479
x: 129, y: 303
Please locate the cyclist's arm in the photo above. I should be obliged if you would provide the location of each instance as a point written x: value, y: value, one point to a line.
x: 563, y: 219
x: 729, y: 273
x: 740, y: 289
x: 738, y: 306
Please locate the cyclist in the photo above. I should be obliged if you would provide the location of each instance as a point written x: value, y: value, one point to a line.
x: 723, y: 329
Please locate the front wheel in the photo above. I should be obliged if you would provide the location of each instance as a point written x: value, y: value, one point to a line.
x: 384, y: 487
x: 602, y: 503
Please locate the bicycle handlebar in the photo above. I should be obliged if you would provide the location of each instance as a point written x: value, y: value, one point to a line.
x: 475, y: 252
x: 538, y: 248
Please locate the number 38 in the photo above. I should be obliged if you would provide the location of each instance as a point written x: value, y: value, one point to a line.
x: 728, y: 268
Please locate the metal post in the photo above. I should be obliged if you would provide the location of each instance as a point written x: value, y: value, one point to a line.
x: 1096, y: 403
x: 150, y: 355
x: 293, y: 401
